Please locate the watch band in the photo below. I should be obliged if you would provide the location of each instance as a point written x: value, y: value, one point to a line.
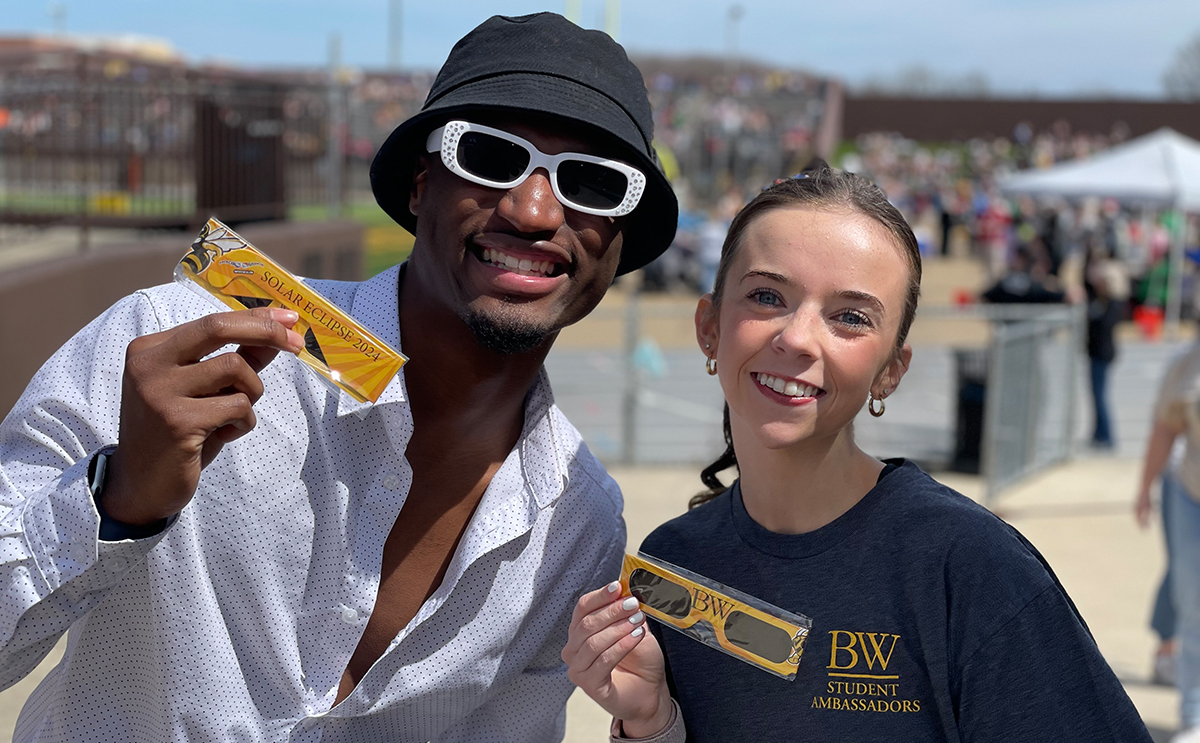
x: 112, y: 530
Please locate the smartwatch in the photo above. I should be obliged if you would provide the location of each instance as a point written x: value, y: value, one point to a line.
x: 112, y: 530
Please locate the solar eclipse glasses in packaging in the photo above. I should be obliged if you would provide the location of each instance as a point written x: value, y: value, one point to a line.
x: 345, y: 354
x: 718, y: 616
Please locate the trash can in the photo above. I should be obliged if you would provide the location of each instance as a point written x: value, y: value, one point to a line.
x: 970, y: 367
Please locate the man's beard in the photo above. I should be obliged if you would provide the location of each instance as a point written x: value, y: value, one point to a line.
x: 511, y: 337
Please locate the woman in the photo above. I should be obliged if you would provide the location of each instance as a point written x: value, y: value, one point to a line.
x: 1177, y: 413
x: 932, y: 619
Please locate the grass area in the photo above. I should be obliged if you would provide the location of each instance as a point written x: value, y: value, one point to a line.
x: 387, y: 243
x: 107, y: 203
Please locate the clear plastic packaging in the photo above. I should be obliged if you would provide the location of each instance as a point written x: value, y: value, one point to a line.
x: 342, y: 352
x: 721, y: 617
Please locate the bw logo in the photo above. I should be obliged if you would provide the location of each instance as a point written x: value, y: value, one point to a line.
x: 851, y: 650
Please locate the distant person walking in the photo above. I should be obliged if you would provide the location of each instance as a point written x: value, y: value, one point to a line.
x: 1177, y: 412
x: 1107, y: 287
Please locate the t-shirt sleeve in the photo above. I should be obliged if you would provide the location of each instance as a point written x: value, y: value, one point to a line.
x: 1171, y: 405
x: 1041, y: 677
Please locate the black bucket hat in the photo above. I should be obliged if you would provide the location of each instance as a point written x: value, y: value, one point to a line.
x: 543, y: 64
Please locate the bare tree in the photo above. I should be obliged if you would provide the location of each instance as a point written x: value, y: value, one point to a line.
x: 1182, y: 78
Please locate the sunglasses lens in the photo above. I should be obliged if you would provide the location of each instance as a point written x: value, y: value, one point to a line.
x: 491, y: 158
x: 756, y: 636
x: 669, y: 598
x: 592, y: 185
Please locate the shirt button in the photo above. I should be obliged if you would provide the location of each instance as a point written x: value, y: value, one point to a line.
x: 349, y: 615
x: 392, y: 482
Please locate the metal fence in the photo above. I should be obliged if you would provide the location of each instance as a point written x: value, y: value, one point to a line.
x: 1034, y: 367
x: 992, y: 390
x: 94, y: 139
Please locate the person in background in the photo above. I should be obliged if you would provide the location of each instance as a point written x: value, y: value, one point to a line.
x: 708, y: 250
x: 1176, y: 414
x: 1107, y: 287
x: 1025, y: 282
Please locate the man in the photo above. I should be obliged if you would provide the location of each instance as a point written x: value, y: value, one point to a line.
x: 243, y: 555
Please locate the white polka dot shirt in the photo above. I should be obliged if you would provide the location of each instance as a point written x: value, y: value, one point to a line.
x: 237, y: 622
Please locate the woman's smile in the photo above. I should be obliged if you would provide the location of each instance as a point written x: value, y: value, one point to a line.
x: 786, y: 390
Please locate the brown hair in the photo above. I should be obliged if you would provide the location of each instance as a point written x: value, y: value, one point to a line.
x: 819, y: 187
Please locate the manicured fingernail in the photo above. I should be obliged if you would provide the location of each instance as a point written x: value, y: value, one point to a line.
x: 629, y: 603
x: 283, y: 315
x: 295, y: 340
x: 637, y: 632
x: 637, y: 618
x: 613, y: 587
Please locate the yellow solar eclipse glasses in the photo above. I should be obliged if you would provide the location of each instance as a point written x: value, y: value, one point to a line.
x: 344, y: 353
x: 721, y: 617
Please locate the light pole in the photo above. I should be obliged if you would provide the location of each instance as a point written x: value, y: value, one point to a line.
x: 395, y: 21
x: 574, y: 11
x: 58, y: 16
x: 731, y: 39
x: 612, y: 19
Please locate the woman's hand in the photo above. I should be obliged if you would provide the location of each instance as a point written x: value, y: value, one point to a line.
x: 614, y: 659
x: 1142, y: 507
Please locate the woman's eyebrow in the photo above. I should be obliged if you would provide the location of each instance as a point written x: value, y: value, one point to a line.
x: 851, y: 294
x: 870, y: 299
x: 768, y: 275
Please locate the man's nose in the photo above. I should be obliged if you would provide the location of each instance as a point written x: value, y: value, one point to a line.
x: 531, y: 205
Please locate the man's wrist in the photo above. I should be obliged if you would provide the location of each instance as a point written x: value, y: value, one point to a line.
x: 113, y: 529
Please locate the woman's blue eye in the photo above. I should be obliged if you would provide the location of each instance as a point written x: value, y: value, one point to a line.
x: 766, y: 297
x: 854, y: 318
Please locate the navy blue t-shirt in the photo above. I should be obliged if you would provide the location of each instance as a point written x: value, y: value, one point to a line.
x: 933, y: 620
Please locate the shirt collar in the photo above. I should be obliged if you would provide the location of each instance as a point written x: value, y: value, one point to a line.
x: 543, y: 461
x: 376, y: 305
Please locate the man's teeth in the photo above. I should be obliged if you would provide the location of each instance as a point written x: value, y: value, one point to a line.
x: 788, y: 387
x: 522, y: 266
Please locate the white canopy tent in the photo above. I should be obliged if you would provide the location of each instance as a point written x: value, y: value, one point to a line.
x: 1160, y: 169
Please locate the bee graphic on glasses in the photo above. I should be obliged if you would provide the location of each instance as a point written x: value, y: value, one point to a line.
x: 797, y: 647
x: 201, y: 254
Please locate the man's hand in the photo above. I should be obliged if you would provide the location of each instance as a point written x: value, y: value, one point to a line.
x: 178, y: 411
x: 610, y: 655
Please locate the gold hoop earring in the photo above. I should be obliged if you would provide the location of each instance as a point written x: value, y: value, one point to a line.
x: 710, y: 366
x: 871, y: 400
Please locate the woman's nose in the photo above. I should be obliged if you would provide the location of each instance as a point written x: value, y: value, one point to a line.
x: 800, y: 334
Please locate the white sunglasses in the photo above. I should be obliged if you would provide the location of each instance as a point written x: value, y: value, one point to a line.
x: 495, y: 158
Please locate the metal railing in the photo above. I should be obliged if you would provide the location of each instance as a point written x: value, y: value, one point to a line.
x: 635, y: 386
x: 1029, y: 414
x: 97, y: 140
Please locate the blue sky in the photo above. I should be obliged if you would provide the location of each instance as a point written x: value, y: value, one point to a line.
x: 1052, y: 47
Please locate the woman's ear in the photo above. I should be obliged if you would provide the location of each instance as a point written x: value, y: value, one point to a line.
x: 893, y: 372
x: 420, y: 178
x: 707, y: 332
